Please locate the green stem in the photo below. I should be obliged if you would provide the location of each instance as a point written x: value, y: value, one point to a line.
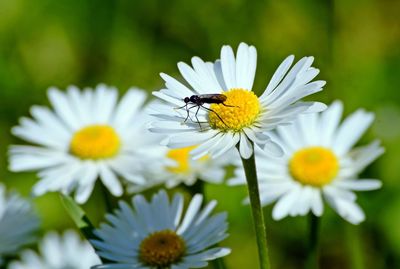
x: 197, y: 187
x: 218, y: 263
x: 258, y: 218
x: 312, y: 258
x: 354, y: 245
x: 109, y: 201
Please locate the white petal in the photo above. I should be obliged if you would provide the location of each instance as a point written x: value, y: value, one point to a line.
x: 63, y: 108
x: 359, y: 184
x: 176, y: 86
x: 284, y: 205
x: 332, y: 191
x: 185, y: 140
x: 303, y: 203
x: 191, y: 77
x: 110, y: 180
x: 350, y: 131
x: 273, y: 149
x: 348, y: 210
x: 204, y: 148
x: 191, y: 212
x: 317, y: 205
x: 329, y: 121
x: 246, y: 62
x: 105, y: 99
x: 228, y: 66
x: 207, y: 79
x: 363, y: 156
x: 127, y: 108
x: 245, y: 147
x: 50, y: 121
x: 217, y: 68
x: 316, y: 107
x: 278, y: 75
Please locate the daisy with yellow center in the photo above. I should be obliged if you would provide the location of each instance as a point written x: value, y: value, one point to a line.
x: 220, y: 111
x: 318, y: 163
x: 157, y: 234
x: 184, y: 169
x: 176, y: 166
x: 88, y: 136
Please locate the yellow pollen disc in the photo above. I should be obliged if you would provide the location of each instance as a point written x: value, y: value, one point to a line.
x: 161, y: 249
x: 95, y: 142
x: 182, y: 158
x: 239, y: 110
x: 314, y: 166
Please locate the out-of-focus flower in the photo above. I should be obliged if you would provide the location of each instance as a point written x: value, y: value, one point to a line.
x: 88, y: 136
x: 177, y: 167
x: 319, y: 161
x: 18, y: 223
x: 156, y: 235
x: 58, y: 252
x: 239, y: 117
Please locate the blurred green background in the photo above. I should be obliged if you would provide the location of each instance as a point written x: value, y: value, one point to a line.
x: 127, y: 43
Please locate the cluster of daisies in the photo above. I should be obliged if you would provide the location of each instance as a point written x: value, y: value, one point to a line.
x: 197, y: 127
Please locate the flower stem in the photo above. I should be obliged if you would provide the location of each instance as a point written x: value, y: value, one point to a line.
x: 312, y: 258
x: 258, y: 218
x: 354, y: 245
x: 197, y: 187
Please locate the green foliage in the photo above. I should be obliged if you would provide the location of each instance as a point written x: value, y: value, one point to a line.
x: 128, y: 43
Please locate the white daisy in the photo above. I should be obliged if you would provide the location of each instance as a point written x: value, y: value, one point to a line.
x: 154, y: 235
x: 18, y: 223
x: 59, y: 252
x: 87, y: 136
x: 176, y: 166
x: 242, y: 117
x: 319, y: 162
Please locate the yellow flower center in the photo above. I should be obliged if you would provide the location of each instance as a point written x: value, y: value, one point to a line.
x: 314, y: 166
x: 239, y: 110
x: 161, y: 249
x: 95, y: 142
x: 182, y: 158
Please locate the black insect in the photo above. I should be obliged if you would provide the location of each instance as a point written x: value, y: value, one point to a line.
x: 199, y: 101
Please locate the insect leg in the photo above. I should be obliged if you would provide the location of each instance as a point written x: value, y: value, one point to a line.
x: 197, y: 111
x: 185, y: 105
x: 187, y: 111
x: 209, y: 109
x: 228, y: 105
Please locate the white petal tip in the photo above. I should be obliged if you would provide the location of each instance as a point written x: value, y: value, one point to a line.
x: 316, y: 107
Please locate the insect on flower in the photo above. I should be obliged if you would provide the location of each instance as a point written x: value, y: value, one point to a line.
x: 199, y: 101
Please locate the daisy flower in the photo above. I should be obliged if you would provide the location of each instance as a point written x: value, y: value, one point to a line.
x: 177, y: 167
x: 58, y: 252
x: 18, y: 223
x: 154, y: 234
x: 236, y: 115
x: 88, y: 136
x: 319, y: 162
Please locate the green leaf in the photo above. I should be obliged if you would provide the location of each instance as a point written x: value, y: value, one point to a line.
x: 78, y: 215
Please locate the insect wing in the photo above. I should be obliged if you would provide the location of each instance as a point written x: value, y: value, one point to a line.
x: 212, y: 98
